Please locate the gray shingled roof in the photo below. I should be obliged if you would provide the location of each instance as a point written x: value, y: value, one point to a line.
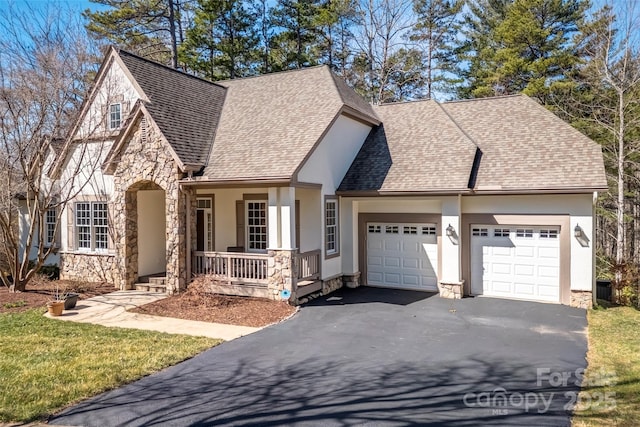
x: 417, y: 148
x: 185, y: 108
x: 527, y: 147
x: 425, y: 146
x: 270, y: 123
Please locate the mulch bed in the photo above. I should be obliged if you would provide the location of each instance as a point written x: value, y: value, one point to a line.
x: 40, y: 291
x: 198, y: 304
x: 194, y: 304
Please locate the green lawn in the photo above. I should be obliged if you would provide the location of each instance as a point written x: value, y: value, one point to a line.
x: 48, y: 364
x: 612, y: 395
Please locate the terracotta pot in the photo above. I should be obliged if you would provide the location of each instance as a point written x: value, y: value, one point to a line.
x: 55, y: 307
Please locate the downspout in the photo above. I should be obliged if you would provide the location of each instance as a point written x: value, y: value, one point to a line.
x: 460, y: 238
x: 188, y: 230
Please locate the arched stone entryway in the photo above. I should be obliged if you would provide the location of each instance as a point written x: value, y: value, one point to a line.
x: 146, y: 232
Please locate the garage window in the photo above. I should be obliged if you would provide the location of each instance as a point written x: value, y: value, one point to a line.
x: 391, y: 229
x: 375, y: 229
x: 548, y: 234
x: 482, y: 232
x: 429, y: 231
x: 501, y: 232
x: 525, y: 233
x: 410, y: 230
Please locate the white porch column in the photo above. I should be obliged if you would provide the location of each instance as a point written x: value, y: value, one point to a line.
x: 273, y: 219
x: 287, y: 218
x: 451, y: 249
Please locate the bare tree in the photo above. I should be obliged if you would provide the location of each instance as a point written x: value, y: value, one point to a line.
x: 380, y: 33
x: 45, y: 64
x: 613, y: 75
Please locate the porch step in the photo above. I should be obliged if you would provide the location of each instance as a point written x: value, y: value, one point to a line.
x: 157, y: 278
x: 307, y: 287
x: 154, y: 284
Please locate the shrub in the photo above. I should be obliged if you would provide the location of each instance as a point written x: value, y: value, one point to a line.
x: 625, y: 283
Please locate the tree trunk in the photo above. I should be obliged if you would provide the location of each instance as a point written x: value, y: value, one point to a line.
x: 620, y: 226
x: 172, y: 32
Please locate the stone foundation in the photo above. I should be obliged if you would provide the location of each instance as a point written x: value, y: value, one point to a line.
x: 581, y: 299
x: 331, y: 285
x: 351, y: 280
x: 451, y: 290
x: 90, y: 267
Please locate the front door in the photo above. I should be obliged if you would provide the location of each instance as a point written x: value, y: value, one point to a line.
x: 200, y: 237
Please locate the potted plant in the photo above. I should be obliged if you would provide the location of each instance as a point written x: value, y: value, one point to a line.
x: 56, y: 305
x: 70, y: 300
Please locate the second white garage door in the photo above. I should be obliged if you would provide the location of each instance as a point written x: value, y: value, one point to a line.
x: 516, y: 262
x: 403, y: 256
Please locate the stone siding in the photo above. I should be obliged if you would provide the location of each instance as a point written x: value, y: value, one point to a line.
x: 147, y: 163
x: 331, y: 285
x: 89, y: 267
x: 451, y: 290
x: 280, y: 271
x: 581, y: 299
x: 351, y: 280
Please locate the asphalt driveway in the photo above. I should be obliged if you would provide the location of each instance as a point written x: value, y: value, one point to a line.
x: 371, y: 357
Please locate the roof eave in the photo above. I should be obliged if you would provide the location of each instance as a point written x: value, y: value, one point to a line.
x: 381, y: 193
x: 553, y: 190
x: 203, y: 181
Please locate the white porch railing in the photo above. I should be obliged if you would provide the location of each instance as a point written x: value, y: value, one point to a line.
x: 232, y: 266
x: 308, y: 265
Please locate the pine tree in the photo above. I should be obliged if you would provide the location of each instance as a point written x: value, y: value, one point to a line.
x: 146, y: 27
x: 294, y: 45
x: 434, y: 33
x: 521, y: 46
x: 222, y: 43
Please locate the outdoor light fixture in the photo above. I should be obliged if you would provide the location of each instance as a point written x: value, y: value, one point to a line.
x: 450, y: 231
x: 577, y: 232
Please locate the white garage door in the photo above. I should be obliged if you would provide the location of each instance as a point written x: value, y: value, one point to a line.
x: 403, y: 256
x: 516, y: 262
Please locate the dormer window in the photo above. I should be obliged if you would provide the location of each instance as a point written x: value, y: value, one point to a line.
x: 115, y: 116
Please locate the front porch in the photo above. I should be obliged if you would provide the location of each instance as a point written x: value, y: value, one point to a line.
x: 261, y: 242
x: 260, y: 275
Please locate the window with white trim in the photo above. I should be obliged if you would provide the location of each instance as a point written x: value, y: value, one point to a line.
x: 548, y: 234
x: 92, y: 226
x: 50, y: 221
x: 256, y: 226
x: 331, y: 226
x: 375, y: 229
x: 115, y: 116
x: 206, y: 207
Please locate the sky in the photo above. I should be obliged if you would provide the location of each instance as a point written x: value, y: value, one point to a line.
x: 79, y: 5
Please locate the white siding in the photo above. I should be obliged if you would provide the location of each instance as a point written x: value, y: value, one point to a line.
x: 152, y: 252
x: 328, y: 165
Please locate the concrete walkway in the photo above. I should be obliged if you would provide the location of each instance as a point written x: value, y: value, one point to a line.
x: 111, y: 310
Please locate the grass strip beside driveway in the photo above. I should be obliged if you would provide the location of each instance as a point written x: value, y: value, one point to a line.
x: 48, y: 364
x: 611, y: 391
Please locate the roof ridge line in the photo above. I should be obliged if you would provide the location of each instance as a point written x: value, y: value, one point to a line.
x: 294, y: 70
x: 486, y: 98
x: 183, y: 73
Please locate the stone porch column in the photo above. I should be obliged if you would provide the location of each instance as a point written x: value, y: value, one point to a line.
x: 282, y: 238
